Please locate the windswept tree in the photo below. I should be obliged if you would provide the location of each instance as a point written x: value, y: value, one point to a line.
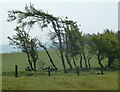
x: 27, y: 44
x: 90, y: 51
x: 97, y: 45
x: 71, y: 40
x: 32, y: 16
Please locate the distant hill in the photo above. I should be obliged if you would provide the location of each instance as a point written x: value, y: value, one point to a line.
x: 6, y: 48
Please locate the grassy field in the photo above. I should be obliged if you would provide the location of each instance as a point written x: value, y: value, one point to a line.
x: 9, y: 60
x: 62, y: 82
x: 87, y: 80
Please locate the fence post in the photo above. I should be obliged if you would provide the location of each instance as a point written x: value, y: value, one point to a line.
x: 16, y: 70
x: 77, y: 70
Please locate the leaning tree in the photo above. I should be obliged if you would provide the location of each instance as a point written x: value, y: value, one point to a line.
x: 48, y: 54
x: 71, y: 36
x: 32, y: 16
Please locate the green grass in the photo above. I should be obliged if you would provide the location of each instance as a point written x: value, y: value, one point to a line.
x: 88, y: 79
x: 9, y: 60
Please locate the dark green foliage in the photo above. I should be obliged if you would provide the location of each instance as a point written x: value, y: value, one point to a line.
x: 111, y: 46
x: 106, y: 46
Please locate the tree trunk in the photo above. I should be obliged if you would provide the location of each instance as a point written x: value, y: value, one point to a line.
x: 89, y: 58
x: 66, y: 54
x: 99, y: 61
x: 80, y: 60
x: 101, y: 66
x: 85, y: 60
x: 61, y: 53
x: 68, y: 61
x: 34, y: 65
x: 110, y: 61
x: 51, y: 59
x: 57, y: 30
x: 30, y: 63
x: 63, y: 62
x: 74, y: 62
x: 89, y: 63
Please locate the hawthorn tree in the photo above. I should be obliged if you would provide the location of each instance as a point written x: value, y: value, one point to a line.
x: 97, y: 45
x: 27, y: 44
x: 106, y: 46
x: 110, y: 42
x: 72, y: 38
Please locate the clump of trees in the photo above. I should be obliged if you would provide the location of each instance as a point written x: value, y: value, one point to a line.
x: 106, y: 45
x: 66, y: 35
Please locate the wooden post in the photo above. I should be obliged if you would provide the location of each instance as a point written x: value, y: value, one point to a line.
x: 16, y: 70
x: 48, y: 72
x: 77, y: 70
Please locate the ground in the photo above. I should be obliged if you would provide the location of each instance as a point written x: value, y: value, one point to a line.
x: 39, y: 80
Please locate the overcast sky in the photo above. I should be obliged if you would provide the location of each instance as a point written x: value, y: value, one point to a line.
x: 92, y: 16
